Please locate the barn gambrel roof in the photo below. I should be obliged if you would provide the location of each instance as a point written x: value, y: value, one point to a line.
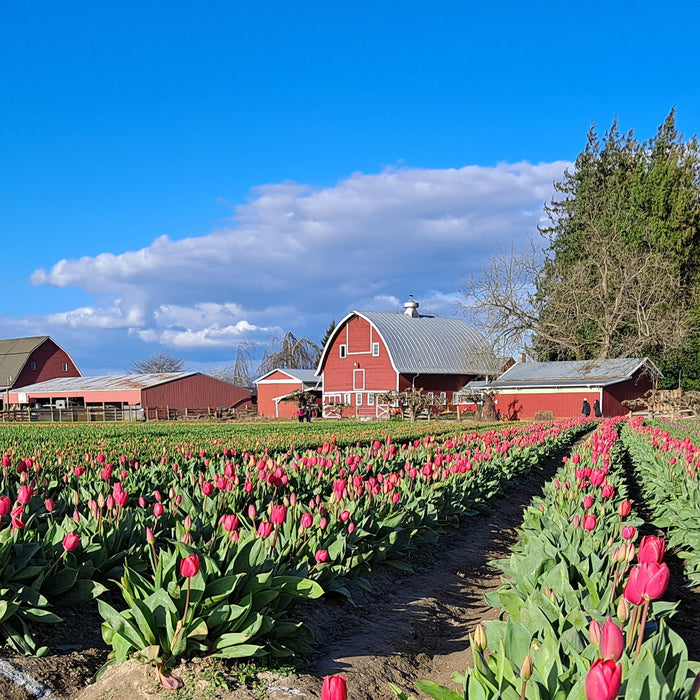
x: 428, y: 344
x: 14, y: 355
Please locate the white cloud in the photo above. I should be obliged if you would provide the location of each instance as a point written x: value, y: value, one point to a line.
x: 296, y: 256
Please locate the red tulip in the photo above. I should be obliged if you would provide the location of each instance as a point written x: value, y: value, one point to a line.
x: 265, y: 529
x: 588, y: 502
x: 334, y: 688
x: 629, y: 532
x: 321, y: 556
x: 278, y: 515
x: 70, y: 541
x: 647, y: 581
x: 5, y: 505
x: 588, y: 522
x: 612, y: 643
x: 230, y: 522
x: 25, y: 494
x: 189, y: 566
x: 307, y: 520
x: 603, y: 680
x: 624, y: 508
x: 651, y: 549
x: 158, y: 509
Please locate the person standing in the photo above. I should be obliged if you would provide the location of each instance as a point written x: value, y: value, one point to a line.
x: 596, y: 409
x: 585, y: 408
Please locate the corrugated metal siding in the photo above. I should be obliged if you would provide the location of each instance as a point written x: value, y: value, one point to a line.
x: 195, y: 391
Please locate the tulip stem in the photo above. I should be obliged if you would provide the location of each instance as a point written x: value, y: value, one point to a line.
x: 640, y: 638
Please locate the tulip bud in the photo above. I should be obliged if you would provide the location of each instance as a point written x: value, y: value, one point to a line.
x: 612, y: 643
x: 526, y: 668
x: 480, y: 637
x: 594, y: 630
x: 189, y: 566
x: 150, y: 537
x: 623, y: 610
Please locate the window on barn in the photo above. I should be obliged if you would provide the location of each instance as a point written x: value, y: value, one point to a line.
x: 443, y: 397
x: 358, y: 399
x: 370, y: 399
x: 32, y: 366
x: 343, y: 350
x: 455, y: 398
x: 375, y: 349
x: 65, y: 366
x: 348, y: 399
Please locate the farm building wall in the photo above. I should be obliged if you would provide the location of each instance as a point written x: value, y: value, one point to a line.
x: 196, y: 391
x: 438, y: 385
x: 272, y: 387
x: 361, y: 369
x: 50, y: 361
x: 633, y: 388
x: 563, y: 402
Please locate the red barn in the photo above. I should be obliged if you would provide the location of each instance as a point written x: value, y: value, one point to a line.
x: 278, y: 384
x: 26, y: 361
x: 374, y: 352
x: 560, y: 387
x: 171, y: 390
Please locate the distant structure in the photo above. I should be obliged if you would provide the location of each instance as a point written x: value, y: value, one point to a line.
x: 26, y: 361
x: 276, y: 386
x: 560, y: 387
x: 371, y: 353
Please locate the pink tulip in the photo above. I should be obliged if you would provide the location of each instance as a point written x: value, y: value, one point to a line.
x: 594, y: 631
x: 278, y: 515
x: 230, y: 522
x: 158, y: 509
x: 334, y: 688
x: 612, y: 643
x: 589, y: 522
x: 49, y: 505
x: 321, y: 555
x: 70, y: 541
x: 189, y: 566
x: 588, y: 502
x: 646, y: 581
x: 307, y: 520
x: 603, y: 680
x: 651, y: 549
x: 629, y: 532
x: 5, y: 505
x: 265, y: 529
x: 624, y: 508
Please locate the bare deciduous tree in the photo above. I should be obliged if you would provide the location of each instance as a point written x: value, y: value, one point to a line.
x: 161, y: 363
x: 290, y: 353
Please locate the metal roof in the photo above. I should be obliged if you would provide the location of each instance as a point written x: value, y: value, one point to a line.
x: 128, y: 382
x: 14, y: 353
x: 573, y: 373
x: 432, y: 344
x: 305, y: 376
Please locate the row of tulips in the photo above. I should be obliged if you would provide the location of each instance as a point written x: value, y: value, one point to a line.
x: 667, y: 467
x: 581, y: 600
x: 266, y: 529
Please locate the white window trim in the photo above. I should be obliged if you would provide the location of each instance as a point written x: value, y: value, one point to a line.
x: 370, y: 399
x: 358, y: 398
x: 375, y: 349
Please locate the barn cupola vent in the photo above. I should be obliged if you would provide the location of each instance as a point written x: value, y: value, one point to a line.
x: 410, y: 308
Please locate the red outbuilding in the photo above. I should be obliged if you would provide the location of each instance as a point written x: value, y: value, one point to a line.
x: 560, y: 387
x: 277, y: 385
x: 371, y: 353
x: 26, y: 361
x: 171, y: 390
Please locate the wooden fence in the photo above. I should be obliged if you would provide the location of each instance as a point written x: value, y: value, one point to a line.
x: 101, y: 414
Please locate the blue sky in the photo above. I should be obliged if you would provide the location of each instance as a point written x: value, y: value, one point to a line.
x: 180, y: 177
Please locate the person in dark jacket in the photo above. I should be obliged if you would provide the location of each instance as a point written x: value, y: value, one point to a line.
x: 596, y: 409
x: 585, y: 408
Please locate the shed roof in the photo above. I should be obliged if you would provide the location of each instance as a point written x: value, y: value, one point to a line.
x: 14, y: 353
x: 306, y: 376
x: 573, y: 373
x: 429, y: 344
x: 127, y: 382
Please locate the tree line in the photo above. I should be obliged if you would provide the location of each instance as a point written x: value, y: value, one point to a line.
x: 615, y: 270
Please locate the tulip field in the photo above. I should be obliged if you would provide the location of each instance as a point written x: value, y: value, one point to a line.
x: 198, y: 541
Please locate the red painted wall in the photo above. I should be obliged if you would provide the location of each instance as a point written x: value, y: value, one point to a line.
x: 268, y: 392
x: 49, y: 360
x: 563, y: 405
x: 197, y: 391
x: 633, y: 388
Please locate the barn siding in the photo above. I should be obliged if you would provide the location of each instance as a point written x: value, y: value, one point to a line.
x: 49, y: 360
x: 564, y: 404
x: 197, y: 391
x: 633, y: 388
x: 268, y: 392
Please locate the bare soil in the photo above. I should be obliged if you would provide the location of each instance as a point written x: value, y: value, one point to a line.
x: 410, y: 626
